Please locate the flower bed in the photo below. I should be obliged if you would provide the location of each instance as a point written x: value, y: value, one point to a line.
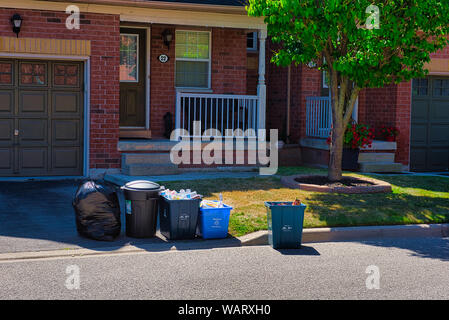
x: 349, y: 185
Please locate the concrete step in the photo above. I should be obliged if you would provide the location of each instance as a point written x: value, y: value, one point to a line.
x: 145, y: 158
x: 376, y: 157
x: 148, y: 169
x: 380, y: 167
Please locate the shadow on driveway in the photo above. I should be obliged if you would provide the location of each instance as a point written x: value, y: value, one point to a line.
x: 38, y: 216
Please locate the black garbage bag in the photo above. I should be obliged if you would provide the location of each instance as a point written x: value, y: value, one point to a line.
x: 97, y: 212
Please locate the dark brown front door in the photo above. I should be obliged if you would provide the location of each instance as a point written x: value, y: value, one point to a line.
x: 132, y: 77
x: 429, y: 145
x: 41, y: 118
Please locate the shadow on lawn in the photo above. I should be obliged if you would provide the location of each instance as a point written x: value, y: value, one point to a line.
x: 435, y: 184
x: 386, y: 209
x: 208, y: 188
x: 377, y: 209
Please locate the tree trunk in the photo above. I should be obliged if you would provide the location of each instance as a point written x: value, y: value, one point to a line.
x: 336, y: 154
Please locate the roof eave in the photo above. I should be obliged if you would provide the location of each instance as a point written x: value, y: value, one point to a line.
x: 165, y: 5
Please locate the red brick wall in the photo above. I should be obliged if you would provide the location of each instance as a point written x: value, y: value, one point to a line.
x: 162, y: 83
x: 377, y: 106
x: 304, y: 82
x: 252, y: 72
x: 403, y: 117
x: 228, y: 70
x: 103, y: 32
x: 390, y: 106
x: 276, y: 81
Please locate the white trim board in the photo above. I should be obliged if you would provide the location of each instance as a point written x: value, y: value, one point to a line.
x: 148, y: 15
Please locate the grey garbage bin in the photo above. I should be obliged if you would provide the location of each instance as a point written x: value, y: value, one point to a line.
x: 142, y: 200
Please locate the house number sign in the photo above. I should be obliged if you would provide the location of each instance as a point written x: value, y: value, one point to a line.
x: 163, y: 58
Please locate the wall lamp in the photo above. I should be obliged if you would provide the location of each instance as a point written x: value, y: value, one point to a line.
x: 167, y: 36
x: 16, y: 21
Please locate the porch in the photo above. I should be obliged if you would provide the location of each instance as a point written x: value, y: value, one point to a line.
x: 380, y: 157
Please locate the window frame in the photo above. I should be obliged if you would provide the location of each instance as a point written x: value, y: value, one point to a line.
x: 324, y: 74
x: 254, y: 48
x: 137, y: 58
x: 209, y: 61
x: 429, y: 88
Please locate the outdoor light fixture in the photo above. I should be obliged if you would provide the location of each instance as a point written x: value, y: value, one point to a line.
x: 167, y: 36
x: 16, y: 21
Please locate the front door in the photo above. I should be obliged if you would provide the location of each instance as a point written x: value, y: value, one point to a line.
x: 132, y: 77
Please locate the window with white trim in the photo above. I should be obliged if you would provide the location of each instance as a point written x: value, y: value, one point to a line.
x: 251, y: 41
x: 192, y: 59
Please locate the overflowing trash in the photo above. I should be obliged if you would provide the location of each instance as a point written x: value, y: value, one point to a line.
x: 297, y: 202
x: 212, y: 203
x: 97, y: 212
x: 181, y: 195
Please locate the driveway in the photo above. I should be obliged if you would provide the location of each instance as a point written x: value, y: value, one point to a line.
x: 38, y: 215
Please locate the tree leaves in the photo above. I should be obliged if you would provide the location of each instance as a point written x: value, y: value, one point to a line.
x: 409, y: 31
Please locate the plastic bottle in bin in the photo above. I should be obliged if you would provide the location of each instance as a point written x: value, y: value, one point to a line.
x: 181, y: 195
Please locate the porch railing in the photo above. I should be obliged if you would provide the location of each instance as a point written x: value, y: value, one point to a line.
x: 217, y: 113
x: 318, y: 117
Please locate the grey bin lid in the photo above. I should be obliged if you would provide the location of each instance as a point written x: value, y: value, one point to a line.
x: 142, y: 185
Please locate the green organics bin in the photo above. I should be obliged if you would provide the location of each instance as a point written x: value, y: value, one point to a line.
x: 285, y: 223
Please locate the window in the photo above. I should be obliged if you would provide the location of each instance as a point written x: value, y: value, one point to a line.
x: 251, y: 41
x: 325, y: 80
x: 441, y: 88
x: 129, y: 57
x: 33, y: 73
x: 192, y: 59
x: 420, y: 87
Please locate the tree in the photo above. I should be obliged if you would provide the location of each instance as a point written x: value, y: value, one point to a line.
x: 360, y: 44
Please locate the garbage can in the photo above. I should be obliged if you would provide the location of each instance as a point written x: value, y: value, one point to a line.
x: 142, y: 199
x: 214, y: 222
x: 285, y: 224
x: 178, y: 218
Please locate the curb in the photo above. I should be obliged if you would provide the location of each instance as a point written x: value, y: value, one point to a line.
x: 357, y: 233
x: 258, y: 238
x: 181, y: 245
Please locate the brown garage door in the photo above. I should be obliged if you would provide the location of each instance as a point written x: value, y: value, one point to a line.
x: 429, y: 150
x: 41, y: 118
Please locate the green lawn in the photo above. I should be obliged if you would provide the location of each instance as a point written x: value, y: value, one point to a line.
x: 414, y: 200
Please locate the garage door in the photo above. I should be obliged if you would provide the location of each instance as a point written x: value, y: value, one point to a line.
x: 429, y: 150
x: 41, y: 118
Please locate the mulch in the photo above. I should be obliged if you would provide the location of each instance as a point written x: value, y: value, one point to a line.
x: 324, y: 181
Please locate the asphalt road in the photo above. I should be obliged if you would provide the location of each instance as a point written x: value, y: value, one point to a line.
x: 408, y: 269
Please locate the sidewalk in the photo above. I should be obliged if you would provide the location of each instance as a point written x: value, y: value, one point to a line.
x: 121, y: 179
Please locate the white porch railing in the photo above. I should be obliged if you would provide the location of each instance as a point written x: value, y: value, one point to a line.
x: 217, y: 113
x: 318, y: 117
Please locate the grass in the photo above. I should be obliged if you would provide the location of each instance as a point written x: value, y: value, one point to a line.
x: 415, y: 199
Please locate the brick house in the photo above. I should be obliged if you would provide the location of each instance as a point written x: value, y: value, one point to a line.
x: 82, y: 101
x: 298, y: 100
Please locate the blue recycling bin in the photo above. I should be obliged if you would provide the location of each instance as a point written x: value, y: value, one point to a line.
x: 285, y: 224
x: 214, y: 222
